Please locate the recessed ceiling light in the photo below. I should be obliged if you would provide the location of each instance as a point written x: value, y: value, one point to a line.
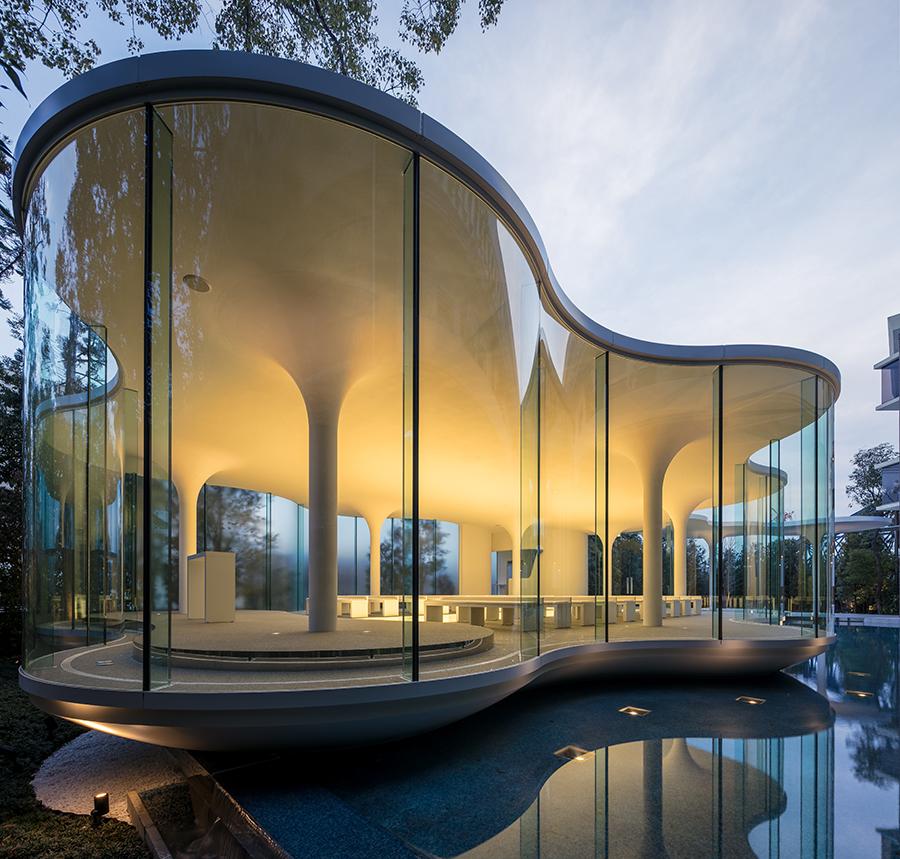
x: 634, y: 711
x: 749, y: 699
x: 858, y: 674
x: 573, y: 753
x: 195, y: 282
x: 859, y: 693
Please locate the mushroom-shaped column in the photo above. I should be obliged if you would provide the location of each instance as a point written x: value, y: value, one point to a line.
x: 323, y: 513
x: 189, y: 475
x: 680, y: 514
x: 374, y: 520
x: 188, y: 489
x: 652, y: 475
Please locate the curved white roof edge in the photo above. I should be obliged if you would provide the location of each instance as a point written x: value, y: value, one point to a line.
x: 237, y: 76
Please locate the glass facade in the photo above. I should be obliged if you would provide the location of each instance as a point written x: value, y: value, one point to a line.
x: 272, y: 352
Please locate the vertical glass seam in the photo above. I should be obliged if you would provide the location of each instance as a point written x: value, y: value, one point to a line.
x: 416, y: 215
x: 146, y: 620
x: 539, y: 618
x: 607, y: 552
x: 720, y: 454
x: 818, y: 548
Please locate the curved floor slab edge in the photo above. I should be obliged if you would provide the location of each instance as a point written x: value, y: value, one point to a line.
x: 377, y: 713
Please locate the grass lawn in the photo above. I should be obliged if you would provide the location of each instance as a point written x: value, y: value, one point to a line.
x: 27, y: 829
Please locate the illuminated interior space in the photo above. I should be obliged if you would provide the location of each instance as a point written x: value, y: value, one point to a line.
x: 308, y: 418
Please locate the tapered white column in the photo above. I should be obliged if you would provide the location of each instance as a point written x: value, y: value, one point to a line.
x: 679, y: 550
x: 514, y: 585
x: 188, y: 493
x: 323, y: 513
x: 651, y: 608
x: 374, y: 522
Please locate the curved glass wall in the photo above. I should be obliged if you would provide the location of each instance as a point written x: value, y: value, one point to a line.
x: 319, y: 422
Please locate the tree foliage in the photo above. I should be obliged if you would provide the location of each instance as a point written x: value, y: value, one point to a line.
x: 864, y: 488
x: 341, y: 35
x: 866, y: 574
x: 10, y: 498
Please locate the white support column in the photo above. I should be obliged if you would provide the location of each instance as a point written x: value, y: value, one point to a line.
x: 374, y: 522
x: 323, y: 512
x: 188, y: 493
x: 651, y: 609
x: 679, y: 549
x: 514, y: 585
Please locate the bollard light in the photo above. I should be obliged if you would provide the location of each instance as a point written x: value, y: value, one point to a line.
x: 101, y: 807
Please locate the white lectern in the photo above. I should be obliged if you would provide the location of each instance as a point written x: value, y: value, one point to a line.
x: 211, y: 588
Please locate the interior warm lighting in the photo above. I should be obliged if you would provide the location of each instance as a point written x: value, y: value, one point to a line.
x: 573, y: 753
x: 749, y: 699
x: 634, y: 711
x: 195, y: 282
x: 858, y: 693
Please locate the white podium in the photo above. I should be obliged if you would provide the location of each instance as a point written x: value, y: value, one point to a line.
x: 211, y: 588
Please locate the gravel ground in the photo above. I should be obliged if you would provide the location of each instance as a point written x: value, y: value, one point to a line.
x: 94, y: 762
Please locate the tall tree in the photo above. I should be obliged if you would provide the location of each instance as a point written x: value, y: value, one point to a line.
x: 866, y: 574
x: 11, y: 602
x: 864, y: 488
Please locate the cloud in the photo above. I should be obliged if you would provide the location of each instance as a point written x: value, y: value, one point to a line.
x: 703, y: 172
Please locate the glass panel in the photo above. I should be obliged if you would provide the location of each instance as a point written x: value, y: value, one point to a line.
x: 406, y: 562
x: 717, y: 578
x: 568, y: 492
x: 479, y: 398
x: 807, y: 583
x: 363, y: 551
x: 601, y: 555
x: 660, y: 458
x: 777, y: 497
x: 158, y: 518
x: 235, y: 522
x: 267, y: 535
x: 527, y: 568
x: 83, y: 392
x: 285, y: 561
x: 824, y: 506
x: 288, y: 381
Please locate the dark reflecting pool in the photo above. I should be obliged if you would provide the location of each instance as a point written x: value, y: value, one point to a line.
x: 766, y: 767
x: 860, y: 678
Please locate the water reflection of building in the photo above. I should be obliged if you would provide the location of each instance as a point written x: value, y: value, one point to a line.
x: 680, y: 797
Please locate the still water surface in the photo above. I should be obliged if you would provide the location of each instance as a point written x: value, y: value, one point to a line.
x: 810, y: 771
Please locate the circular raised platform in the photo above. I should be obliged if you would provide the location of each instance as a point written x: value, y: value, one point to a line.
x: 274, y: 640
